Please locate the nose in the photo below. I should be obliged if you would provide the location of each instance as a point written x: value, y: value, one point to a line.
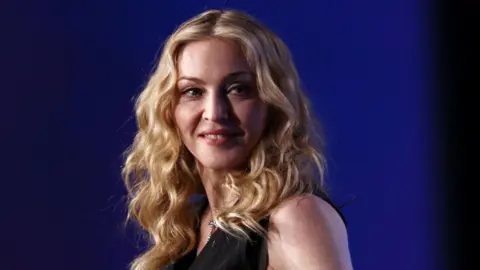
x: 216, y: 108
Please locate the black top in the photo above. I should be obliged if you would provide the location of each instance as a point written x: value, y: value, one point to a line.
x: 225, y: 252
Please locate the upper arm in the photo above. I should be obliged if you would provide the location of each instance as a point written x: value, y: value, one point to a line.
x: 307, y: 233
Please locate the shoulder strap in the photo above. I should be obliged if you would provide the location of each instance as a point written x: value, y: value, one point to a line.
x: 325, y: 197
x: 263, y: 252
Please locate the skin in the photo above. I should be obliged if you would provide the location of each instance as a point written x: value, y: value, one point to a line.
x: 216, y: 89
x: 307, y: 233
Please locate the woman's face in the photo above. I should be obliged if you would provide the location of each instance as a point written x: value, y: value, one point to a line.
x: 219, y: 113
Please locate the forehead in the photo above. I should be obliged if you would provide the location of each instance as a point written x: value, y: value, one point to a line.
x: 210, y: 59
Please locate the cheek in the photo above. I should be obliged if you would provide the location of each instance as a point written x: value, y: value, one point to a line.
x: 183, y: 120
x: 254, y: 118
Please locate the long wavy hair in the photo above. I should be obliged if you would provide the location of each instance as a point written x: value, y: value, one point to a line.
x: 159, y: 172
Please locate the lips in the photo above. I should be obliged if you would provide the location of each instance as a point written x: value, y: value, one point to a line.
x: 214, y: 136
x: 219, y: 136
x: 219, y: 132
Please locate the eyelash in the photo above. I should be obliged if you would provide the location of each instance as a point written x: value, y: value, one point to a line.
x: 242, y: 87
x: 190, y: 89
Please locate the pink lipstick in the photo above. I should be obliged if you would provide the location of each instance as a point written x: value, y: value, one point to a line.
x: 217, y: 136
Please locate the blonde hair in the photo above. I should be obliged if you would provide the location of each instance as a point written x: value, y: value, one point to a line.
x: 159, y: 172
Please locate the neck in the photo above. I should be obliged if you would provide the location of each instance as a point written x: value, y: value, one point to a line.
x: 213, y: 182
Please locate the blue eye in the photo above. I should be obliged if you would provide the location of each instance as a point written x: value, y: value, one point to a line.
x: 192, y: 92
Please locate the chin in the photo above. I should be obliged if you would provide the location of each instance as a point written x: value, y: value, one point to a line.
x: 220, y: 163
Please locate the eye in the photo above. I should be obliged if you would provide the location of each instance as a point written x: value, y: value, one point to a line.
x: 192, y: 92
x: 239, y: 89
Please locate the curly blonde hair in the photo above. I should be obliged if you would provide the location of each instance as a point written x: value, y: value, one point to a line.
x: 159, y: 172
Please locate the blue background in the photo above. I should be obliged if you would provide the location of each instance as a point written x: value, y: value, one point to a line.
x: 73, y: 69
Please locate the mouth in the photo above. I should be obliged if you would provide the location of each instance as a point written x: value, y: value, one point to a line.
x: 218, y: 137
x: 214, y: 136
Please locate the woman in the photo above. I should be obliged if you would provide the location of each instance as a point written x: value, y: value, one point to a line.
x: 223, y: 116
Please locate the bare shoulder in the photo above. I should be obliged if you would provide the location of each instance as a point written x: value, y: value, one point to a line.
x: 306, y: 208
x: 306, y: 232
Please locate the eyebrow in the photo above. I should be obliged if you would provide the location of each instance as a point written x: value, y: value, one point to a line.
x: 229, y: 77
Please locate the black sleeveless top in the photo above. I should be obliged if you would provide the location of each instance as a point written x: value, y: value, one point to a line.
x: 225, y: 252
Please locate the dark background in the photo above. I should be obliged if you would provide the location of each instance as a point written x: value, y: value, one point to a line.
x: 374, y: 71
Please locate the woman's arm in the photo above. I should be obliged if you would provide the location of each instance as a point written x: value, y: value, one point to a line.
x: 307, y: 233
